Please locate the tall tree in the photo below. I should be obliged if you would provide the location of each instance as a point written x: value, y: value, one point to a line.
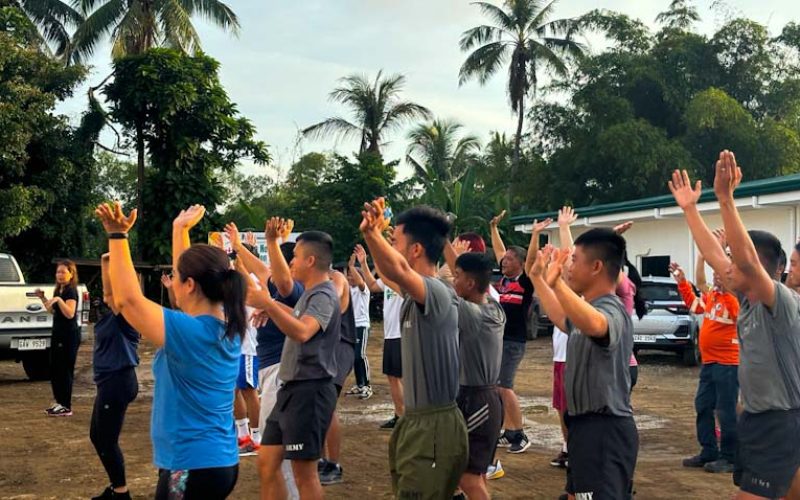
x: 376, y: 110
x: 437, y: 151
x: 523, y: 36
x: 680, y: 15
x: 53, y: 18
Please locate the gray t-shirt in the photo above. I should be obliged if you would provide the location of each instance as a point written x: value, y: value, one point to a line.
x: 480, y: 334
x: 769, y: 352
x: 430, y: 347
x: 315, y: 358
x: 597, y: 379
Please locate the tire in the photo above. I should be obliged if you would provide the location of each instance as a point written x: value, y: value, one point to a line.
x: 37, y: 365
x: 691, y: 355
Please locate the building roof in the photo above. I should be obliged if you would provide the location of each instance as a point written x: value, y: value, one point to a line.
x: 746, y: 189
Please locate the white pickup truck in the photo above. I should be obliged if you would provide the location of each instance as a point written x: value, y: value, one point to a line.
x: 25, y: 325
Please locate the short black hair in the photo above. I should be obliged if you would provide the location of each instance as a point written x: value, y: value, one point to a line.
x: 769, y: 249
x: 479, y: 266
x: 427, y: 226
x: 321, y: 247
x: 519, y: 252
x: 606, y: 246
x: 287, y: 249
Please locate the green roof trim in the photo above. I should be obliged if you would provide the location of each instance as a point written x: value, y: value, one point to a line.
x: 746, y: 189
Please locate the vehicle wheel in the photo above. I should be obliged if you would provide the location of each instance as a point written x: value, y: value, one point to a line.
x: 691, y: 355
x: 37, y: 365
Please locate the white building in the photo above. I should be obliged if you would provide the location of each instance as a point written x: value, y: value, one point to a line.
x: 660, y: 234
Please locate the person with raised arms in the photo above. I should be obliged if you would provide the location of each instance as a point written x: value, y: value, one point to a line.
x: 196, y: 365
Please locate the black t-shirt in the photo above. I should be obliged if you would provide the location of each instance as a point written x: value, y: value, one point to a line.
x: 349, y: 325
x: 62, y: 324
x: 115, y: 346
x: 516, y: 296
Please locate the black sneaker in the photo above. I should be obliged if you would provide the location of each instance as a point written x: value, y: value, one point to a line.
x: 560, y: 461
x: 696, y: 462
x: 389, y: 424
x: 521, y: 445
x: 718, y: 466
x: 331, y: 475
x: 504, y: 441
x: 322, y: 465
x: 59, y: 411
x: 107, y: 494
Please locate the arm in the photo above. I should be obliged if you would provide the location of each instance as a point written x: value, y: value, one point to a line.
x: 342, y: 289
x: 67, y: 307
x: 145, y: 316
x: 370, y: 280
x: 700, y: 274
x: 252, y: 263
x: 166, y: 281
x: 181, y: 226
x: 566, y: 217
x: 281, y: 274
x: 547, y: 297
x: 538, y: 227
x: 108, y: 294
x: 351, y: 268
x: 300, y: 329
x: 727, y: 177
x: 498, y: 246
x: 581, y: 314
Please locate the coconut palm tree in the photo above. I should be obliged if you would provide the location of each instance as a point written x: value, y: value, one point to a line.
x: 138, y: 25
x: 523, y: 38
x: 680, y: 15
x: 53, y: 18
x: 376, y: 110
x: 438, y: 153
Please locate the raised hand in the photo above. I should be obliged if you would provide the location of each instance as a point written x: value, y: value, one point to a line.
x: 722, y: 237
x: 727, y: 176
x: 189, y: 218
x: 166, y: 280
x: 677, y: 272
x: 352, y: 261
x: 361, y: 254
x: 538, y: 227
x: 112, y: 218
x: 274, y: 228
x: 496, y: 219
x: 372, y: 216
x: 286, y: 230
x: 39, y: 293
x: 557, y: 263
x: 567, y: 216
x: 259, y: 319
x: 250, y: 238
x: 539, y: 267
x: 461, y: 246
x: 621, y: 229
x: 233, y: 235
x: 681, y: 188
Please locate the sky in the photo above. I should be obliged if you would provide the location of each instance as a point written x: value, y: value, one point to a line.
x: 290, y: 53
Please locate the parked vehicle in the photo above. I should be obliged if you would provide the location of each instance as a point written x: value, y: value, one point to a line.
x: 25, y: 325
x: 668, y: 324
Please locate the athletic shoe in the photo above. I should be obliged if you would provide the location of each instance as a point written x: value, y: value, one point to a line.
x: 248, y: 447
x: 520, y: 446
x: 107, y: 494
x: 51, y: 408
x: 389, y: 424
x: 695, y: 462
x: 366, y: 392
x: 560, y: 461
x: 354, y: 391
x: 322, y: 465
x: 563, y: 496
x: 503, y: 441
x: 59, y: 411
x: 495, y: 471
x: 332, y: 474
x: 718, y: 466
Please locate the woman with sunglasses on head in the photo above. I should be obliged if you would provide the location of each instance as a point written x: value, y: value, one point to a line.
x: 195, y: 368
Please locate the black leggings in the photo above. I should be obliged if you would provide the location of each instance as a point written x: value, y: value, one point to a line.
x: 361, y: 365
x: 113, y: 396
x: 63, y: 352
x: 208, y: 484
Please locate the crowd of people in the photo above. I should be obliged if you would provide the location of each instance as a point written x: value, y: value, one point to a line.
x: 253, y: 358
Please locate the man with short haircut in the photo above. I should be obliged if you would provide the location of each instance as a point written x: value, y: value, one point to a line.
x: 768, y: 452
x: 602, y: 438
x: 302, y: 414
x: 428, y: 447
x: 481, y: 321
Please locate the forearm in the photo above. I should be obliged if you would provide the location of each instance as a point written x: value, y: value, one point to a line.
x: 292, y: 327
x: 123, y: 277
x: 705, y: 240
x: 388, y: 261
x: 533, y: 247
x: 498, y: 246
x: 369, y: 278
x: 700, y: 273
x: 66, y: 310
x: 180, y: 243
x: 550, y: 304
x: 743, y: 252
x: 252, y: 263
x: 565, y: 235
x: 281, y: 274
x: 357, y: 279
x: 581, y: 314
x: 450, y: 256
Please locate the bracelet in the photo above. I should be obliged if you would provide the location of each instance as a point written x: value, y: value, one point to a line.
x: 117, y: 236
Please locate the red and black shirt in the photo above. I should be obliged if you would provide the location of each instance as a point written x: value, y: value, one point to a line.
x: 516, y: 295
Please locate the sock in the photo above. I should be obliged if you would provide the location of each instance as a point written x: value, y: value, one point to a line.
x: 256, y: 435
x: 242, y: 427
x: 564, y: 447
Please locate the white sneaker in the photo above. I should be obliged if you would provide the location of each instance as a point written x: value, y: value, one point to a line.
x: 354, y: 391
x: 495, y: 471
x: 366, y: 392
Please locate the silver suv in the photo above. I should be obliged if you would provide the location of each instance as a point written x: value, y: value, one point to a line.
x: 668, y: 325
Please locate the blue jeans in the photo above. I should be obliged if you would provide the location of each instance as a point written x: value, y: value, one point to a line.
x: 718, y: 390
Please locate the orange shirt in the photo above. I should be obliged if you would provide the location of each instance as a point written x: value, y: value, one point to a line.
x: 718, y: 340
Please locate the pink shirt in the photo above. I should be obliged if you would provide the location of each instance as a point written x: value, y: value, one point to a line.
x: 625, y: 291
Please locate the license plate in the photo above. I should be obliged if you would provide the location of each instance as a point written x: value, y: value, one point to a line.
x: 644, y: 339
x: 33, y: 344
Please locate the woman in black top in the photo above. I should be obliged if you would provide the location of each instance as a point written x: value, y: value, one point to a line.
x: 114, y: 361
x: 66, y: 337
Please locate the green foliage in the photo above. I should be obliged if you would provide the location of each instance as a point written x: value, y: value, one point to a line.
x: 192, y: 132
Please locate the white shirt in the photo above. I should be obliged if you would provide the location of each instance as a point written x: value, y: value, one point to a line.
x: 493, y: 293
x: 392, y: 304
x: 360, y: 302
x: 249, y: 341
x: 560, y: 340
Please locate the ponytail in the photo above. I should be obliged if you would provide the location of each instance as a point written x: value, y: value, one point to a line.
x: 639, y: 304
x: 234, y: 294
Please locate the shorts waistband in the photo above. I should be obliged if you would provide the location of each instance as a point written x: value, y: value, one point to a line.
x: 472, y: 389
x: 431, y: 410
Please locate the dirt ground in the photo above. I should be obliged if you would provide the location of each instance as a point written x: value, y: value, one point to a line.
x: 43, y: 457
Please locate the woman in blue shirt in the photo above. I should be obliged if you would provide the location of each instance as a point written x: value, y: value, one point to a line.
x: 195, y: 368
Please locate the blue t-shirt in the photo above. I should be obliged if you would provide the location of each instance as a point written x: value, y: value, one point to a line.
x: 115, y: 345
x: 269, y: 339
x: 195, y: 375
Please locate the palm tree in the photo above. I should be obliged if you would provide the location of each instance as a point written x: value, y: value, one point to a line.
x: 138, y: 25
x: 437, y: 153
x: 52, y: 18
x: 523, y: 37
x: 679, y: 16
x: 376, y: 110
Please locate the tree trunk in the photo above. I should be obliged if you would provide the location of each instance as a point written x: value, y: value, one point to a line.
x: 139, y: 181
x: 517, y: 140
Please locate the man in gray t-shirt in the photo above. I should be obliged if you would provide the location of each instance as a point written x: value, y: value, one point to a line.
x: 428, y: 448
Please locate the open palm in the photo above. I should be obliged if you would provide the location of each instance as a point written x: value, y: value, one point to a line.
x: 189, y: 218
x: 683, y: 192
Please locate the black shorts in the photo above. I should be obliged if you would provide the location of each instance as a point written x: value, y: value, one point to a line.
x: 602, y: 456
x: 483, y: 413
x: 768, y: 454
x: 392, y: 358
x: 300, y: 418
x: 345, y: 356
